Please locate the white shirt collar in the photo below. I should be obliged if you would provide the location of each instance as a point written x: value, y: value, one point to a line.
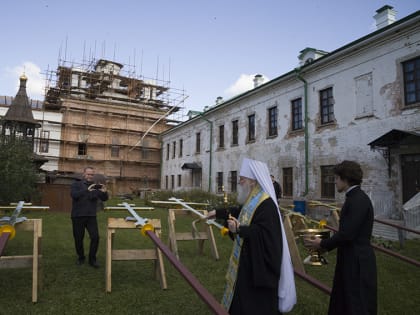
x: 350, y: 188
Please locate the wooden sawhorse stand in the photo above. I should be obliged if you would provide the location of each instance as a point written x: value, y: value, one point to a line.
x: 199, y: 236
x: 291, y: 242
x: 33, y: 260
x: 132, y: 254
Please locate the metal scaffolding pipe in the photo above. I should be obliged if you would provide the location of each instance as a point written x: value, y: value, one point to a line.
x: 335, y: 208
x: 397, y: 226
x: 4, y: 237
x: 313, y: 281
x: 7, y: 230
x: 197, y: 286
x: 392, y: 253
x: 387, y: 251
x: 147, y: 229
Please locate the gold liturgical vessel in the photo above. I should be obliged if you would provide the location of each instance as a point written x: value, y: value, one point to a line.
x: 315, y: 258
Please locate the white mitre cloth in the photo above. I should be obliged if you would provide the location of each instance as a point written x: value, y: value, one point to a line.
x: 258, y: 171
x: 246, y: 170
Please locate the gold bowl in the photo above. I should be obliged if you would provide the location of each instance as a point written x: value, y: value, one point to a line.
x: 315, y: 258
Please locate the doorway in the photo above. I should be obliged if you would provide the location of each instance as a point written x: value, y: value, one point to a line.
x: 410, y: 169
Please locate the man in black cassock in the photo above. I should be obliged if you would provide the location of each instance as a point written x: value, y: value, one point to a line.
x: 260, y: 276
x: 354, y: 289
x: 277, y: 187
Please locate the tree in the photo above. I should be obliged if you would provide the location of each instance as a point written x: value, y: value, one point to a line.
x: 17, y: 171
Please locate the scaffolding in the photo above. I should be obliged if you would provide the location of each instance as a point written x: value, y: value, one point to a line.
x: 112, y: 120
x: 113, y: 82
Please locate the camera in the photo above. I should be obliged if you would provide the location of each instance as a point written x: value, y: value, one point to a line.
x: 97, y: 186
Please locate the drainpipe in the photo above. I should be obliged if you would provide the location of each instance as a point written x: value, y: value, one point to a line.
x: 305, y: 87
x: 161, y: 162
x: 211, y: 148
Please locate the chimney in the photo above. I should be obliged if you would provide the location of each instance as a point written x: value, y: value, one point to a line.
x: 384, y: 16
x: 309, y: 55
x: 258, y: 80
x: 219, y: 100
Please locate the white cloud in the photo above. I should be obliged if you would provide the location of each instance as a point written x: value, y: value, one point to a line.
x: 244, y: 83
x: 35, y: 86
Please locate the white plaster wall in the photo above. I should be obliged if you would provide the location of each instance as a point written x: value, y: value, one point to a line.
x: 51, y: 121
x: 173, y: 166
x: 348, y: 138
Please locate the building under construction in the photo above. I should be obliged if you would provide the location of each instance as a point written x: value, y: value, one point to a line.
x: 112, y: 122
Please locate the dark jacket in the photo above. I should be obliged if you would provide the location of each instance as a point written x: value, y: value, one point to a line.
x: 354, y: 289
x: 85, y: 201
x: 277, y: 189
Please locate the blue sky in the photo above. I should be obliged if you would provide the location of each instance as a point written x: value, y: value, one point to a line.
x: 208, y: 48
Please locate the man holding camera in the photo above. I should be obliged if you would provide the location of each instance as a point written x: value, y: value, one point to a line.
x: 85, y: 195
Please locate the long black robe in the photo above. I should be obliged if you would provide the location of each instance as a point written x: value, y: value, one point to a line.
x: 259, y: 266
x: 354, y: 289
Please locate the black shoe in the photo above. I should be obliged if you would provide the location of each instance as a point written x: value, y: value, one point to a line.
x: 94, y: 264
x: 80, y: 262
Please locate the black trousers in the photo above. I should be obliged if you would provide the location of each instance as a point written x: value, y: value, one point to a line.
x: 79, y: 226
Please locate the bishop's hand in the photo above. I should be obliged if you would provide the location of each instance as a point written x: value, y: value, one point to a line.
x: 233, y: 224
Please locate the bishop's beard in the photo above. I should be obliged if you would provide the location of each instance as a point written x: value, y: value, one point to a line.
x: 243, y: 192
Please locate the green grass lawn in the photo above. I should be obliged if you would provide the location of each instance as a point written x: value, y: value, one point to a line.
x: 70, y: 289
